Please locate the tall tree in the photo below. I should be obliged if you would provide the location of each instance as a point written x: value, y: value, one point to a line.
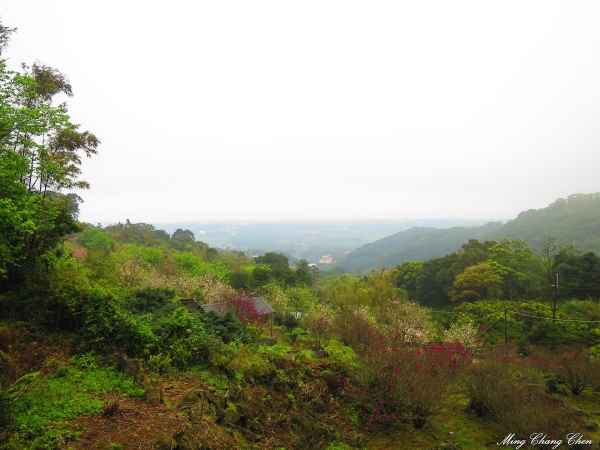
x: 40, y: 157
x: 515, y: 263
x: 477, y: 282
x: 547, y: 252
x: 579, y: 274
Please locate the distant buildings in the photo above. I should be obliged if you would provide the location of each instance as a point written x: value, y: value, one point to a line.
x: 327, y: 259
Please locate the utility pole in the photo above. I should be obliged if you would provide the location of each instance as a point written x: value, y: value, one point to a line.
x: 505, y: 333
x: 555, y: 295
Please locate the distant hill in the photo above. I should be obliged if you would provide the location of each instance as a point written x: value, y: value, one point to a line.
x: 575, y: 221
x: 414, y: 244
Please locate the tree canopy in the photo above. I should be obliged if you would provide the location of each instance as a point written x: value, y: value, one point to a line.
x: 40, y: 158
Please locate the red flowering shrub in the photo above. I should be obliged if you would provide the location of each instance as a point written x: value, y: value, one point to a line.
x: 504, y: 388
x: 321, y: 330
x: 244, y: 310
x: 574, y: 368
x: 407, y: 385
x: 355, y: 326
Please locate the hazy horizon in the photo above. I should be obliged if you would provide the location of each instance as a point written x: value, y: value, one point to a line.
x: 268, y: 110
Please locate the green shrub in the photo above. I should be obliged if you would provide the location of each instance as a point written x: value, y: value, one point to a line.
x: 100, y: 320
x: 228, y: 327
x: 152, y: 300
x: 108, y: 325
x: 252, y: 365
x: 288, y: 320
x: 11, y: 393
x: 183, y: 337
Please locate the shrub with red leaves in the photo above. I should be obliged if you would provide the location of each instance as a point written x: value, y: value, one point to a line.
x: 504, y: 388
x: 398, y: 384
x: 574, y: 368
x: 244, y: 310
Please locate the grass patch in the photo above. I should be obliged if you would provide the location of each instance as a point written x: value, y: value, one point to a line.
x: 41, y: 413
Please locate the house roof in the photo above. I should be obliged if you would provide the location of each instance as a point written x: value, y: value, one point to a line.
x: 190, y: 303
x: 259, y: 303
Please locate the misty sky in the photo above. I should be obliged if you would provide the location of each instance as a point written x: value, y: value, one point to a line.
x: 321, y: 109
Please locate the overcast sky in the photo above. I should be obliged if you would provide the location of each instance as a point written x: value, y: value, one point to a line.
x: 321, y: 109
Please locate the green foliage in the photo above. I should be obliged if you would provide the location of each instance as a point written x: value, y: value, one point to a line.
x: 40, y: 156
x: 252, y: 366
x: 289, y: 321
x: 304, y: 273
x: 226, y: 326
x: 138, y: 233
x: 414, y: 244
x: 515, y: 263
x: 526, y: 322
x: 100, y: 329
x: 240, y: 279
x: 152, y: 300
x: 215, y: 269
x: 573, y: 221
x: 476, y: 282
x: 185, y: 236
x: 107, y: 325
x: 407, y: 277
x: 372, y: 291
x: 68, y: 289
x: 273, y: 260
x: 287, y: 299
x: 276, y: 266
x: 11, y: 393
x: 339, y: 446
x: 579, y: 274
x: 581, y: 310
x: 261, y: 275
x: 95, y: 239
x: 184, y: 338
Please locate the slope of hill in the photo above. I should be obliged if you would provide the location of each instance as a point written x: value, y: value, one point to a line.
x: 574, y: 221
x: 414, y: 244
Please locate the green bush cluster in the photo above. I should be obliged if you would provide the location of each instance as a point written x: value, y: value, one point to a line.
x: 178, y: 339
x: 159, y: 302
x: 528, y: 322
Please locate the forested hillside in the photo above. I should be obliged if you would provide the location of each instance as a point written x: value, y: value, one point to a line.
x: 572, y: 221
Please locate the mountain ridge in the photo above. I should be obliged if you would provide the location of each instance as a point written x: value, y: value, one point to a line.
x: 571, y: 221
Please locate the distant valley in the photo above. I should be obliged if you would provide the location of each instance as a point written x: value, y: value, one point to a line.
x: 361, y: 245
x: 304, y: 239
